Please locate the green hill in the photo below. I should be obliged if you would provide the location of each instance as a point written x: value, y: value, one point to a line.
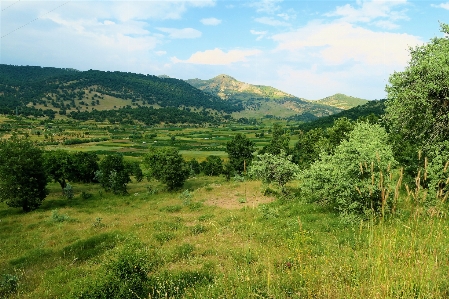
x: 262, y: 101
x: 45, y: 91
x: 342, y: 101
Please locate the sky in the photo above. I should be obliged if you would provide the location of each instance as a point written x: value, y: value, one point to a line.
x: 310, y: 49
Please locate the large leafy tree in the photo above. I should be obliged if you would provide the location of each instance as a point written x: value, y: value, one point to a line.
x: 167, y: 166
x: 240, y: 151
x: 212, y: 166
x: 279, y: 142
x: 23, y: 179
x: 59, y: 166
x: 114, y: 174
x: 417, y: 108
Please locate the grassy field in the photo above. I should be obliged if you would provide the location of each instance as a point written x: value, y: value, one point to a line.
x: 219, y: 239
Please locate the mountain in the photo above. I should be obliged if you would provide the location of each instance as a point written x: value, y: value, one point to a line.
x: 227, y: 87
x: 371, y: 110
x: 262, y: 101
x: 342, y: 101
x: 46, y: 91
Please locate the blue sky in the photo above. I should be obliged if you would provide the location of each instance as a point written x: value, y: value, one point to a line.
x: 311, y: 49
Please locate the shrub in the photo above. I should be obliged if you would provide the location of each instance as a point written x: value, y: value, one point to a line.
x: 274, y: 168
x: 357, y: 176
x: 8, y: 284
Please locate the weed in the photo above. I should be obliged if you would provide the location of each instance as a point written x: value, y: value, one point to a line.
x: 68, y: 191
x: 87, y: 195
x: 198, y: 229
x: 56, y: 217
x: 98, y: 223
x: 8, y: 284
x: 183, y: 251
x: 163, y: 237
x: 171, y: 209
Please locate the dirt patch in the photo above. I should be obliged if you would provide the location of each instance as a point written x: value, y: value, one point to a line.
x: 235, y: 196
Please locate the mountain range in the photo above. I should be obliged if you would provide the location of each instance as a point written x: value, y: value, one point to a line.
x: 46, y: 91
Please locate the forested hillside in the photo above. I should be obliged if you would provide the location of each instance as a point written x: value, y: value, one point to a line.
x: 44, y: 91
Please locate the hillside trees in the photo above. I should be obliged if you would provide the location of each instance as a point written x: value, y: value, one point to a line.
x: 114, y: 174
x: 355, y: 177
x: 279, y: 142
x: 167, y: 166
x: 212, y: 166
x: 417, y: 108
x: 240, y: 151
x: 23, y: 179
x: 271, y: 168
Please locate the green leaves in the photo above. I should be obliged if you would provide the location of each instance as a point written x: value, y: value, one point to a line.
x: 168, y: 166
x: 356, y: 176
x: 418, y: 98
x: 23, y: 179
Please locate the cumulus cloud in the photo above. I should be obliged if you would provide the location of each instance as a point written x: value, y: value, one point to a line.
x: 369, y: 11
x: 218, y: 57
x: 340, y: 43
x: 181, y: 33
x: 441, y: 5
x: 210, y: 21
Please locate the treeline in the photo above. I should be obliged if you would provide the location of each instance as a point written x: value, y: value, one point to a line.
x: 370, y: 111
x: 22, y: 85
x: 147, y: 115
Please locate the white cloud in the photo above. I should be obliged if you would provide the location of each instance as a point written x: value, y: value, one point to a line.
x: 266, y: 6
x: 441, y: 5
x: 260, y: 34
x: 271, y: 21
x: 210, y: 21
x: 181, y: 33
x: 370, y: 10
x: 218, y: 57
x: 340, y: 43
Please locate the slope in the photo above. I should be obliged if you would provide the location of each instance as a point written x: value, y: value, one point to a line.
x: 262, y: 101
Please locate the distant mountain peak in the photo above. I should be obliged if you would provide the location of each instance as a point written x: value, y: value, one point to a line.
x: 223, y: 77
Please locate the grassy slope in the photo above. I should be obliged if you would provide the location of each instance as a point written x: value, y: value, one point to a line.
x: 342, y: 101
x: 286, y: 249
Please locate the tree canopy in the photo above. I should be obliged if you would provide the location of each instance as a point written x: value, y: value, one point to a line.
x: 417, y: 108
x: 23, y: 179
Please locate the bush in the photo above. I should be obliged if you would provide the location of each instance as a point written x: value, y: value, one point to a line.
x: 357, y: 176
x: 168, y: 166
x: 274, y: 168
x: 8, y: 284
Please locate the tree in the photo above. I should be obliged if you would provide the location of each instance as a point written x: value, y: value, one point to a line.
x: 279, y: 142
x: 23, y: 179
x: 274, y: 168
x: 59, y: 166
x: 167, y: 166
x: 85, y: 165
x: 240, y: 151
x: 355, y: 177
x: 114, y: 174
x: 417, y: 108
x: 309, y: 146
x: 213, y: 166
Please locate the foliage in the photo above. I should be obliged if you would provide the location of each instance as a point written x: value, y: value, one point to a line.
x: 68, y: 191
x: 213, y: 166
x: 135, y: 170
x: 59, y: 166
x: 8, y: 284
x: 355, y: 178
x: 23, y: 179
x: 85, y: 164
x: 194, y: 167
x: 309, y: 146
x: 114, y: 174
x: 240, y: 151
x: 417, y: 108
x: 436, y: 171
x: 274, y: 168
x: 167, y: 166
x: 279, y: 142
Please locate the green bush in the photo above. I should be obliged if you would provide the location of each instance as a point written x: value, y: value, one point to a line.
x: 8, y: 285
x: 357, y: 176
